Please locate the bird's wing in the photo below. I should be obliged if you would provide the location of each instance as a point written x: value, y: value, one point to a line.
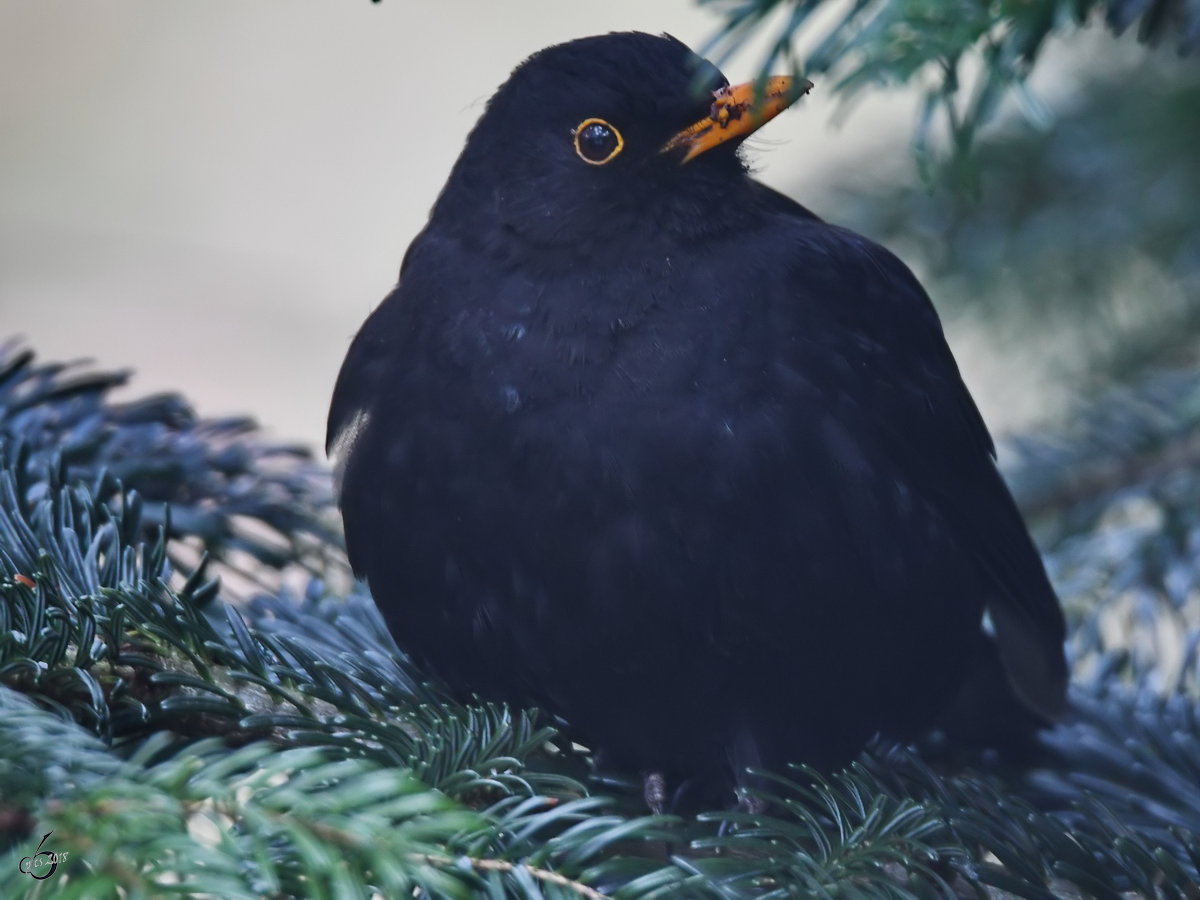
x: 866, y: 318
x: 368, y: 373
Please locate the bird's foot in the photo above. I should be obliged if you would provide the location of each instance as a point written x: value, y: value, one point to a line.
x: 654, y: 790
x: 750, y: 803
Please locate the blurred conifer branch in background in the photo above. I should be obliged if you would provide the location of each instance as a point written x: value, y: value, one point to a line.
x: 967, y: 55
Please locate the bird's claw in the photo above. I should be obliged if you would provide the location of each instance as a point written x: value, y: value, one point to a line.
x: 654, y: 790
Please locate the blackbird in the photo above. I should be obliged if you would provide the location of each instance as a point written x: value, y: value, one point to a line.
x: 643, y: 442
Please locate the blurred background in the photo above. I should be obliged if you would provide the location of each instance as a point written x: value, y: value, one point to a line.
x: 216, y: 194
x: 238, y: 181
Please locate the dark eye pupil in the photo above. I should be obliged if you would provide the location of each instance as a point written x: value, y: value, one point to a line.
x: 597, y: 141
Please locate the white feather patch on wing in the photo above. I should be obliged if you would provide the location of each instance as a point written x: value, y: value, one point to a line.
x: 342, y: 446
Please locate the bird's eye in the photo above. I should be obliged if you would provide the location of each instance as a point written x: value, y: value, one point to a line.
x: 597, y: 142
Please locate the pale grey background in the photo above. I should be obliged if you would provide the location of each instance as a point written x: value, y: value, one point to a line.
x: 217, y: 193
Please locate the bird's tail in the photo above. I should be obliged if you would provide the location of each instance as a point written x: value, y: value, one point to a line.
x: 986, y: 712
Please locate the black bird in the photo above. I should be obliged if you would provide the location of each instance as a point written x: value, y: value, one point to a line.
x: 646, y: 443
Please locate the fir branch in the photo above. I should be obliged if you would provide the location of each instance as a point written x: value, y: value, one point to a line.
x: 336, y: 768
x: 257, y: 821
x: 869, y: 43
x: 509, y: 868
x: 251, y: 504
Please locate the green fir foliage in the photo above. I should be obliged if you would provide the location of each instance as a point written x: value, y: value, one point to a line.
x: 172, y: 742
x: 868, y: 44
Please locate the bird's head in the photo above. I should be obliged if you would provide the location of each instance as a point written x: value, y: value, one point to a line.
x: 586, y: 134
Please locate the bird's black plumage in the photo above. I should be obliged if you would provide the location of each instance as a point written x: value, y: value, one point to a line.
x: 652, y: 446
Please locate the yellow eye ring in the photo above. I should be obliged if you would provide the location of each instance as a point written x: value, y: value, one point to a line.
x: 597, y: 142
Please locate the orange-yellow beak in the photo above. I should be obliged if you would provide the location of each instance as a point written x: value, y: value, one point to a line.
x: 736, y: 112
